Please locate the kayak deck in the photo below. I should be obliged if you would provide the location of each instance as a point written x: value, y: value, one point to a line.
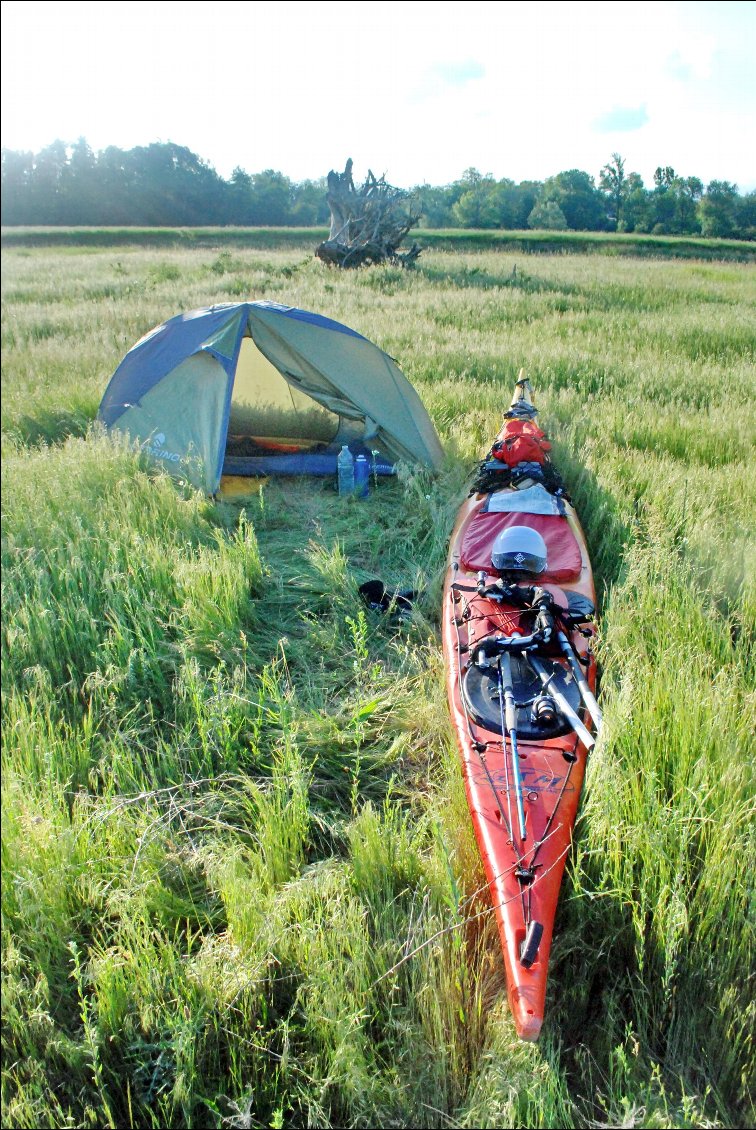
x: 524, y: 874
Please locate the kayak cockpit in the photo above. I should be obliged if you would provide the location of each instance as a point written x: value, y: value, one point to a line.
x: 535, y: 721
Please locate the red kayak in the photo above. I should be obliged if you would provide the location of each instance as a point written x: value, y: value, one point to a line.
x: 517, y: 632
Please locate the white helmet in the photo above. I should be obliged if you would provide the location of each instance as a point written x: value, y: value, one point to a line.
x: 519, y: 549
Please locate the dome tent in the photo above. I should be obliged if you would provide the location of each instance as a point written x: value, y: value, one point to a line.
x: 260, y: 388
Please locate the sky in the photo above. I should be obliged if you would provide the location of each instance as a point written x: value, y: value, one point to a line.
x: 419, y: 92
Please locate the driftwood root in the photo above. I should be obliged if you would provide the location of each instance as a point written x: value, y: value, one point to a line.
x: 368, y: 223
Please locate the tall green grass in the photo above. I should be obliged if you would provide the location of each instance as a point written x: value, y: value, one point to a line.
x: 240, y: 886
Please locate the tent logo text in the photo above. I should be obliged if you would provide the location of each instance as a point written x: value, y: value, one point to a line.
x: 156, y: 450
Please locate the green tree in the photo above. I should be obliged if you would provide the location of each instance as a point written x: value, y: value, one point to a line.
x: 469, y: 208
x: 674, y: 203
x: 718, y: 209
x: 548, y: 216
x: 663, y: 176
x: 116, y: 180
x: 17, y: 177
x: 239, y: 198
x: 688, y: 191
x: 436, y: 204
x: 272, y: 193
x: 476, y: 207
x: 636, y: 208
x: 745, y: 213
x: 46, y: 183
x: 582, y: 204
x: 309, y: 203
x: 525, y: 197
x: 81, y: 196
x: 613, y: 183
x: 513, y: 203
x: 173, y: 186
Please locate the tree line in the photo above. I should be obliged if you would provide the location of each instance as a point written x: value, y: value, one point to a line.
x: 167, y: 185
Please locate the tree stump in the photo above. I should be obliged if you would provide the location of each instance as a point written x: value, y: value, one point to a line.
x: 368, y: 223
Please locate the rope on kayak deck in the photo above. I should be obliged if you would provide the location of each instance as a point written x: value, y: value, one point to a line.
x: 526, y: 864
x: 467, y: 920
x: 481, y: 748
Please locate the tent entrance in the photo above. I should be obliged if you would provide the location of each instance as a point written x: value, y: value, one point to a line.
x: 270, y: 415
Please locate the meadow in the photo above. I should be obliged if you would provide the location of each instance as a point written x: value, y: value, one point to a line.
x: 240, y: 887
x: 456, y: 239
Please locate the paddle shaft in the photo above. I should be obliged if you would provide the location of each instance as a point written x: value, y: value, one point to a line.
x: 584, y: 734
x: 510, y: 731
x: 585, y: 691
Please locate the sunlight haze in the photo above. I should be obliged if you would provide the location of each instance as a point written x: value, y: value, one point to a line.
x: 412, y: 90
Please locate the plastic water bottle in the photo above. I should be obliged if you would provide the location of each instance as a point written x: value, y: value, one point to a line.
x: 361, y: 477
x: 345, y: 470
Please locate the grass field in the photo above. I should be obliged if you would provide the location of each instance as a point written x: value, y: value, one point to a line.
x: 239, y: 882
x: 454, y: 239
